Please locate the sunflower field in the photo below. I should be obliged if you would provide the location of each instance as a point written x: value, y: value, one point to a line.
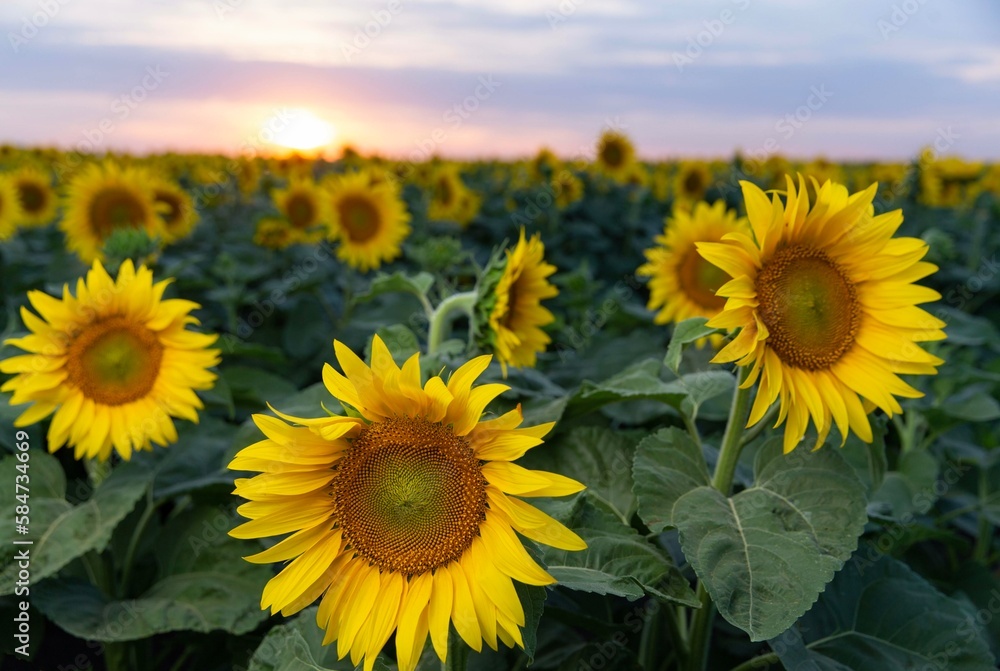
x: 567, y: 413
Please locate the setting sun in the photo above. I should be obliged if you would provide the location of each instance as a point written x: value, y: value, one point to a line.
x: 303, y: 130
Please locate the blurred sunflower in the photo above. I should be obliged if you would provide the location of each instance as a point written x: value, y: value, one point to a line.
x: 544, y: 165
x: 567, y: 187
x: 515, y: 307
x: 690, y: 183
x: 826, y: 304
x: 114, y: 363
x: 274, y: 233
x: 949, y: 182
x: 615, y: 155
x: 370, y: 221
x: 682, y: 284
x: 10, y: 208
x: 305, y: 206
x: 36, y: 195
x: 448, y: 192
x: 402, y: 513
x: 103, y: 198
x: 175, y: 207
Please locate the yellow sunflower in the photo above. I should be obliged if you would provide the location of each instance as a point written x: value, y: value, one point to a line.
x: 114, y: 363
x: 567, y: 187
x: 304, y: 205
x: 682, y: 284
x: 401, y: 514
x: 103, y: 198
x: 10, y: 208
x: 370, y: 221
x: 274, y: 233
x: 691, y: 182
x: 517, y: 313
x: 615, y: 156
x: 448, y: 194
x: 36, y: 195
x: 175, y: 208
x: 826, y: 304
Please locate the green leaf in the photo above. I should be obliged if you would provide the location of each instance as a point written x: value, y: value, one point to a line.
x: 973, y: 404
x: 639, y: 382
x: 418, y: 285
x: 881, y: 615
x: 617, y: 561
x: 256, y: 387
x: 297, y: 645
x: 686, y: 332
x: 63, y: 532
x: 765, y: 554
x: 197, y: 460
x: 533, y: 601
x: 203, y: 586
x: 597, y: 456
x: 45, y: 480
x: 702, y: 386
x: 909, y: 489
x: 668, y: 464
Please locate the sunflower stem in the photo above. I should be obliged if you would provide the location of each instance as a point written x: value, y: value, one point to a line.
x: 722, y: 480
x: 442, y: 317
x: 458, y: 653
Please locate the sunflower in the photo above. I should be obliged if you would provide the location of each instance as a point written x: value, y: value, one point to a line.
x: 10, y: 208
x: 949, y: 182
x: 683, y: 284
x: 517, y: 313
x: 402, y: 513
x: 175, y: 208
x: 826, y: 304
x: 114, y: 363
x: 691, y: 182
x: 274, y: 233
x: 370, y: 221
x: 615, y: 155
x: 448, y: 194
x: 103, y: 198
x: 35, y: 193
x: 567, y: 187
x: 305, y: 206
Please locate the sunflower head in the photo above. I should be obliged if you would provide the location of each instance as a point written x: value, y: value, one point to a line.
x: 275, y: 233
x: 683, y: 284
x: 36, y: 196
x: 826, y: 304
x: 176, y: 208
x: 10, y: 208
x: 692, y: 181
x: 567, y: 187
x: 369, y: 221
x: 305, y: 207
x: 103, y: 198
x: 511, y: 313
x: 401, y: 516
x: 615, y: 155
x: 114, y: 363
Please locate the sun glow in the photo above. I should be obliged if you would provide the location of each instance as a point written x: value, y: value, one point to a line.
x: 302, y: 130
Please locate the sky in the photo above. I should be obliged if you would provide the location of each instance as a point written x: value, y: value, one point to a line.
x: 845, y: 79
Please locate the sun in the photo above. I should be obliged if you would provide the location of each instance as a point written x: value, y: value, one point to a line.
x: 302, y: 130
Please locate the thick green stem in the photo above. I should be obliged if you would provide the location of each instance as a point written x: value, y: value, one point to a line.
x: 458, y: 653
x: 442, y: 317
x: 722, y: 480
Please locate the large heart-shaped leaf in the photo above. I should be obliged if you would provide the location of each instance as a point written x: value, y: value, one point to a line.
x: 668, y: 464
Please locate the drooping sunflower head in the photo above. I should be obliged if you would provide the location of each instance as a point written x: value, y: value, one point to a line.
x: 826, y: 304
x: 103, y: 198
x: 515, y: 313
x: 304, y: 205
x: 567, y: 187
x: 402, y: 515
x: 113, y: 363
x: 370, y: 221
x: 275, y: 233
x: 683, y: 284
x: 176, y: 208
x: 691, y: 182
x: 10, y: 208
x: 615, y: 155
x: 36, y: 196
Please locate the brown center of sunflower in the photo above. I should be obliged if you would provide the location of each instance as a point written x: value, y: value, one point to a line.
x: 114, y: 361
x: 301, y: 211
x: 694, y: 183
x: 410, y: 495
x: 445, y: 192
x: 809, y: 306
x: 114, y: 208
x: 33, y: 197
x: 359, y: 218
x: 612, y: 154
x: 172, y: 215
x: 699, y: 280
